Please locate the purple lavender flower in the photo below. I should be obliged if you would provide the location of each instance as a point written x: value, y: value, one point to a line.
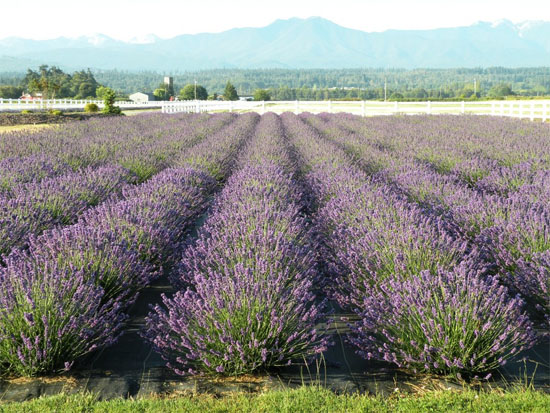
x: 393, y: 310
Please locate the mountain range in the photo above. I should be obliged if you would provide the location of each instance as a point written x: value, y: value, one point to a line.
x: 293, y: 44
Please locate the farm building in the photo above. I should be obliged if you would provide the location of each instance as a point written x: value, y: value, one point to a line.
x: 28, y: 96
x: 140, y: 97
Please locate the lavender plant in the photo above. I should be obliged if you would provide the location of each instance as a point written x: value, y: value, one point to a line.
x: 454, y: 322
x: 18, y: 219
x: 216, y: 155
x: 238, y: 322
x: 20, y: 170
x: 247, y: 302
x: 50, y: 317
x: 97, y: 255
x: 37, y: 206
x: 373, y: 235
x: 245, y: 224
x: 520, y: 247
x: 416, y: 282
x: 152, y: 219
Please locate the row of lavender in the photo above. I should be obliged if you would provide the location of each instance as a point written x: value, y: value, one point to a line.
x: 425, y: 295
x: 493, y: 202
x: 246, y: 299
x: 428, y: 288
x: 41, y: 191
x: 67, y: 293
x: 139, y: 144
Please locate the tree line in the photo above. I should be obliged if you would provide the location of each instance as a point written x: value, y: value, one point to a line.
x: 52, y: 83
x: 318, y: 84
x: 288, y: 84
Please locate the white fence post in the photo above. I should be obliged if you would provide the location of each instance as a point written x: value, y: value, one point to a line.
x: 463, y: 107
x: 263, y: 107
x: 429, y: 107
x: 363, y: 108
x: 296, y: 107
x: 329, y: 106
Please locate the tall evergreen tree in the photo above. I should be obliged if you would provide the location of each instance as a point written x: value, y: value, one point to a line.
x: 230, y: 93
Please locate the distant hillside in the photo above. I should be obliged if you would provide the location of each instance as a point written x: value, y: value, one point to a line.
x: 295, y: 43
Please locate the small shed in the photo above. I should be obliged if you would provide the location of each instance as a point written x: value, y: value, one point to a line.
x: 140, y: 97
x: 28, y: 96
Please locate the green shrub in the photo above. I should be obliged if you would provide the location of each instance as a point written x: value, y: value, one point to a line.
x: 55, y: 112
x: 25, y: 112
x: 109, y: 100
x: 91, y: 108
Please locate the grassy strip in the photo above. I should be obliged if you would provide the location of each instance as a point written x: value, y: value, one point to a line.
x: 305, y: 399
x: 133, y: 112
x: 29, y: 128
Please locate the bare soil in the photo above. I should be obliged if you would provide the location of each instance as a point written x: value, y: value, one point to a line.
x: 36, y: 118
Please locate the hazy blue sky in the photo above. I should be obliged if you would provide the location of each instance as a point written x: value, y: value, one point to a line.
x: 125, y: 19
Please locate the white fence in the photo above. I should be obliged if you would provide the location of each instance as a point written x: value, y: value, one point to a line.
x: 532, y: 109
x: 197, y: 106
x: 66, y: 104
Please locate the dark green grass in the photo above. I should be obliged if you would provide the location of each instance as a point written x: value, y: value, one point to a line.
x: 304, y: 399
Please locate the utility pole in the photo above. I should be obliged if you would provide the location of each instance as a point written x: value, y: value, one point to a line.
x: 195, y: 89
x: 475, y: 87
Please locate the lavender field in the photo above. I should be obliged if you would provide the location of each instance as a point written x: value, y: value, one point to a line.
x: 426, y: 237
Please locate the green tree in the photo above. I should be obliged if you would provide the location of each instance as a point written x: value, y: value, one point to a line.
x: 164, y: 91
x: 109, y: 101
x: 261, y: 94
x: 46, y: 81
x: 86, y: 90
x: 188, y: 92
x: 10, y: 92
x: 396, y: 96
x: 230, y: 93
x: 418, y: 93
x: 52, y: 82
x: 501, y: 90
x: 76, y: 82
x: 101, y: 91
x: 161, y: 94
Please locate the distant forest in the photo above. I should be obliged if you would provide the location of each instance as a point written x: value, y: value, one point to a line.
x: 320, y: 84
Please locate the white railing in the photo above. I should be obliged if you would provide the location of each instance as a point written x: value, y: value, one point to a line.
x: 532, y: 109
x: 67, y: 104
x: 197, y: 106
